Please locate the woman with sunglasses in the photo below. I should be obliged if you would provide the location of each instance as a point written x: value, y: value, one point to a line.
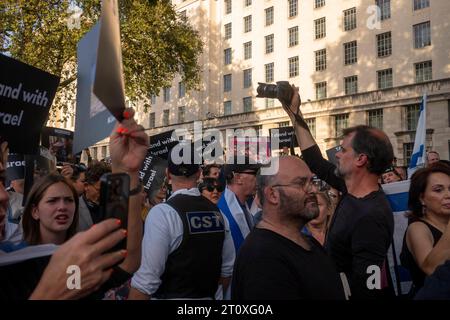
x: 211, y: 189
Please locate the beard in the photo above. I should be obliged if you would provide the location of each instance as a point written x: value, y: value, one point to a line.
x: 304, y: 209
x: 338, y: 172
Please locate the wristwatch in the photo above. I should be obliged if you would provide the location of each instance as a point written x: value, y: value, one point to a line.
x: 136, y: 190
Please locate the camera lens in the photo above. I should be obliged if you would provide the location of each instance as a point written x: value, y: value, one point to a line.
x: 266, y: 90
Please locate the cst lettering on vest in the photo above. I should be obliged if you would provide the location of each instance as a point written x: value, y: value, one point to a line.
x: 204, y: 222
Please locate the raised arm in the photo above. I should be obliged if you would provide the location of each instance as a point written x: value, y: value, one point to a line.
x: 128, y: 147
x: 310, y: 151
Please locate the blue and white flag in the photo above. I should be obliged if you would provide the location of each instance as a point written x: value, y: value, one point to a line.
x: 397, y: 194
x: 418, y: 156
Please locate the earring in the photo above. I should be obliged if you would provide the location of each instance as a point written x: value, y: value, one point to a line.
x: 424, y: 209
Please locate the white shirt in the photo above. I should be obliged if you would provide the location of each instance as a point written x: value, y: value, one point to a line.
x: 163, y: 235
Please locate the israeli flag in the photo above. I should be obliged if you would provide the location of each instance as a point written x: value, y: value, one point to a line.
x: 397, y: 195
x: 418, y: 156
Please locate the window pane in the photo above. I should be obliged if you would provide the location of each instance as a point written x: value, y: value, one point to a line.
x: 384, y: 78
x: 412, y: 116
x: 321, y: 59
x: 375, y: 118
x: 269, y: 43
x: 247, y: 101
x: 247, y: 78
x: 293, y: 8
x: 228, y: 31
x: 269, y: 16
x: 269, y: 71
x: 227, y: 56
x: 228, y: 4
x: 311, y: 122
x: 248, y: 23
x: 319, y: 3
x: 423, y: 71
x: 293, y: 67
x: 321, y: 90
x: 181, y: 114
x: 420, y: 4
x: 385, y: 9
x: 350, y: 19
x: 422, y: 36
x: 227, y: 108
x: 227, y: 82
x: 351, y: 85
x: 341, y: 123
x: 320, y: 28
x: 384, y: 44
x: 350, y: 52
x: 247, y: 50
x: 293, y: 36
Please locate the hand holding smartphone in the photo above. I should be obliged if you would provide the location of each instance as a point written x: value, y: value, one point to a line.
x: 114, y: 195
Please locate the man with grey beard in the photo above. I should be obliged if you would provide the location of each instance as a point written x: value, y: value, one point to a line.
x: 276, y: 261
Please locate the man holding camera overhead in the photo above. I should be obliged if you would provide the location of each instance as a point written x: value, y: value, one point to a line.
x: 362, y: 226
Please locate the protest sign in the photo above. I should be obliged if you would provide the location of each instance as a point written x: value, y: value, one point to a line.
x: 286, y: 136
x: 109, y: 84
x: 152, y: 171
x: 59, y: 142
x: 15, y: 167
x: 26, y: 94
x: 93, y: 121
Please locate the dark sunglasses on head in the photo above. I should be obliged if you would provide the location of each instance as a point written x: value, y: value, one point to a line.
x: 211, y: 187
x: 253, y: 173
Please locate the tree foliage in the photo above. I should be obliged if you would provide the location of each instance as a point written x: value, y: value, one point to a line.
x: 157, y: 43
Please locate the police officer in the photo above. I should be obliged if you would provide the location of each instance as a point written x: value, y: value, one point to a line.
x: 184, y: 254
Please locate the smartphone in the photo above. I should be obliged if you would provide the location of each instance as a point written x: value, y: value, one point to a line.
x: 114, y: 195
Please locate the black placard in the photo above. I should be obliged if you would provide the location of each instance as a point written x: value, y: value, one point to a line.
x: 26, y: 94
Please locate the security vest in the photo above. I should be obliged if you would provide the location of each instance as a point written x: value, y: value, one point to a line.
x: 193, y: 269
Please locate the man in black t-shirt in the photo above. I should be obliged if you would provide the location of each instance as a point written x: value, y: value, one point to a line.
x: 276, y: 261
x: 362, y: 226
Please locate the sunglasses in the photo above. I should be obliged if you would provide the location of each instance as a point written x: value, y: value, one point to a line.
x: 211, y: 187
x: 253, y: 173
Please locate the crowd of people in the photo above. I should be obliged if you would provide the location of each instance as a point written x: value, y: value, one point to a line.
x: 312, y: 230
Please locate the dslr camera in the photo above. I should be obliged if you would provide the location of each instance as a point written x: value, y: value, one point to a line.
x: 282, y: 91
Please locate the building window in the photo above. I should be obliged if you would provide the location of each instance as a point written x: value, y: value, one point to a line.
x: 181, y: 114
x: 340, y: 123
x: 407, y: 153
x: 293, y: 36
x: 293, y: 66
x: 228, y: 4
x: 423, y: 71
x: 350, y: 19
x: 384, y: 44
x: 269, y: 16
x: 385, y: 9
x: 350, y: 52
x: 375, y: 118
x: 293, y: 8
x: 422, y: 36
x: 227, y: 108
x: 384, y: 79
x: 152, y: 120
x: 166, y: 94
x: 321, y: 90
x: 269, y: 43
x: 181, y: 89
x: 270, y: 103
x: 153, y: 99
x: 228, y: 31
x: 320, y: 28
x: 268, y: 68
x: 165, y: 121
x: 248, y: 3
x: 412, y: 116
x: 247, y: 78
x: 351, y: 85
x: 247, y: 50
x: 94, y: 153
x: 319, y: 3
x: 227, y: 83
x: 420, y: 4
x: 248, y: 23
x: 227, y: 56
x: 321, y: 59
x: 247, y: 101
x: 284, y: 124
x: 311, y: 122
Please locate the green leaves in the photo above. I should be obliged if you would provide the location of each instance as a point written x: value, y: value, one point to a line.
x: 156, y: 43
